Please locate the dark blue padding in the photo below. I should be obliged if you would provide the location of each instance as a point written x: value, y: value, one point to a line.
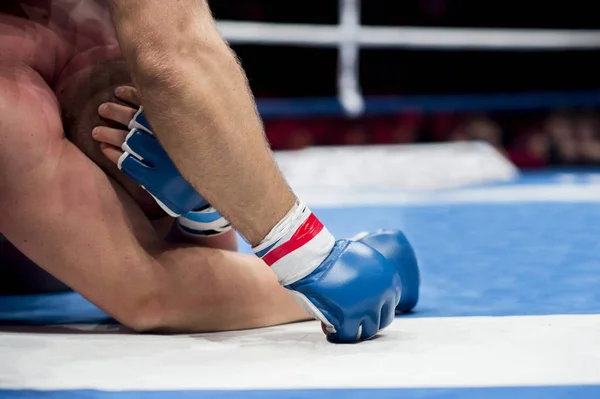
x: 391, y: 105
x: 555, y: 392
x: 50, y: 309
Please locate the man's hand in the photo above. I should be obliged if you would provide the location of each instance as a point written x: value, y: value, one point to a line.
x: 197, y: 99
x: 353, y: 292
x: 141, y: 157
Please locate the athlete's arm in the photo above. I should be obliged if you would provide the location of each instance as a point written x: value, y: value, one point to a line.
x: 65, y: 214
x: 197, y: 99
x: 89, y: 233
x: 202, y: 111
x: 112, y: 137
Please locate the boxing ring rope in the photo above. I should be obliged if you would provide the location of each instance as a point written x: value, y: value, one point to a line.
x: 349, y: 36
x: 267, y: 33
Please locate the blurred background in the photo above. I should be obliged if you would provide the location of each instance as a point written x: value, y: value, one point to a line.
x: 537, y: 106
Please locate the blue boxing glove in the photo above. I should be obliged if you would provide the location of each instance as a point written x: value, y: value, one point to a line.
x: 147, y: 163
x: 347, y: 285
x: 396, y: 248
x: 353, y: 292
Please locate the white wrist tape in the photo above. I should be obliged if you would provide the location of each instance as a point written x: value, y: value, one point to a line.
x: 296, y: 246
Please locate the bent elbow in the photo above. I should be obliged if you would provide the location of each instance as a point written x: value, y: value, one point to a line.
x: 141, y: 313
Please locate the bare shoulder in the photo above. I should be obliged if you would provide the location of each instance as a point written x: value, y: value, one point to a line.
x: 23, y: 40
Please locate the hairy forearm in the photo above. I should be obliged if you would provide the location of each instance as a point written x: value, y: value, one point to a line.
x: 198, y: 101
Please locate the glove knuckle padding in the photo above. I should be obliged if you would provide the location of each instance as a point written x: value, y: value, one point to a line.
x: 387, y: 315
x: 370, y: 327
x: 352, y: 286
x: 397, y: 249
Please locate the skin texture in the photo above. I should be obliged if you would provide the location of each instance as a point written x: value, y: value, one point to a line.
x: 197, y: 99
x: 67, y: 214
x: 105, y: 143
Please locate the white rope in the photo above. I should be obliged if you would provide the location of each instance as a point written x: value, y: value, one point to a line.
x: 349, y: 91
x: 391, y: 37
x: 481, y: 39
x: 280, y: 34
x: 349, y: 36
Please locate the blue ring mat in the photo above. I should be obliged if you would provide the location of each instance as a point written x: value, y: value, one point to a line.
x: 552, y: 250
x: 391, y: 105
x: 498, y: 259
x: 463, y: 250
x: 563, y: 392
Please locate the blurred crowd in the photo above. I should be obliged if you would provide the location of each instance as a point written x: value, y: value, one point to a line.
x: 563, y: 137
x: 529, y: 139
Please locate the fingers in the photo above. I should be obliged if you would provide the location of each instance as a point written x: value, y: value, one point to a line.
x: 129, y: 95
x: 117, y: 113
x: 387, y: 315
x: 108, y: 135
x: 112, y: 139
x: 146, y: 146
x: 110, y: 152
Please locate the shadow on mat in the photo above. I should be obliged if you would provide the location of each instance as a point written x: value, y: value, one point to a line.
x: 75, y: 330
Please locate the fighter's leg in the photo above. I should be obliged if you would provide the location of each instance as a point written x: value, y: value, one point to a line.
x: 65, y: 214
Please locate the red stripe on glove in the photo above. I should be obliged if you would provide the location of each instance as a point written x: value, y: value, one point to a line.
x: 306, y: 232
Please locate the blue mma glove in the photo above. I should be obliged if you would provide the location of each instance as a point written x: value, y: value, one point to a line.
x: 353, y: 292
x: 396, y: 248
x: 147, y: 163
x: 205, y: 222
x: 347, y: 285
